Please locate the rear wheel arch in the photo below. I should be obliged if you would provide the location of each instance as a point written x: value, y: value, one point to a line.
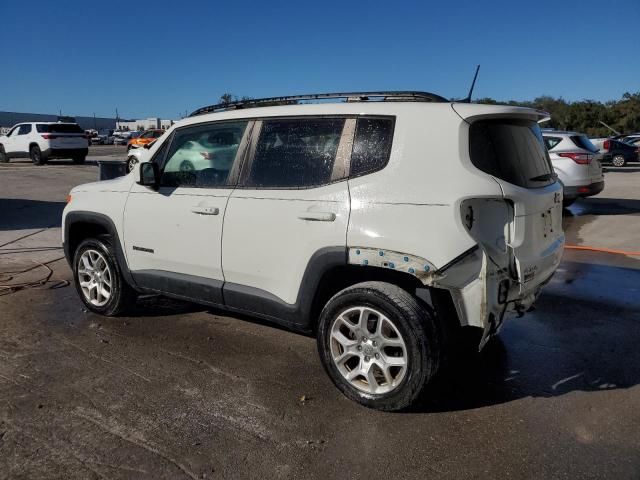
x: 339, y: 277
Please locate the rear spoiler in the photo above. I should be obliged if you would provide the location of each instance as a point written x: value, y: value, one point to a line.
x: 470, y: 112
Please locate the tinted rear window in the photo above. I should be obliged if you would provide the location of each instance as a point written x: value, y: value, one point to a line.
x: 59, y: 128
x: 581, y: 141
x: 511, y: 150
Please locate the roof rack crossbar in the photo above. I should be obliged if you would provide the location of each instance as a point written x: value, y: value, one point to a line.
x: 411, y: 96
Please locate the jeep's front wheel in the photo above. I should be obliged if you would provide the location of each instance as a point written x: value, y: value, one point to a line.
x: 98, y: 278
x: 4, y: 158
x: 379, y: 345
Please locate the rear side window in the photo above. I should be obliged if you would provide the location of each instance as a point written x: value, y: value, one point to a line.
x: 551, y: 142
x: 295, y: 153
x: 581, y: 141
x: 511, y: 150
x: 371, y: 145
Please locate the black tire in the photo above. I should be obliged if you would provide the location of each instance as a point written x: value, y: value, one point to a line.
x: 123, y: 297
x: 4, y: 158
x: 131, y: 162
x: 36, y: 155
x: 79, y: 160
x: 618, y: 161
x: 417, y: 326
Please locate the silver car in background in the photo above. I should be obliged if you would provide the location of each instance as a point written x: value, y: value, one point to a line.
x: 576, y: 161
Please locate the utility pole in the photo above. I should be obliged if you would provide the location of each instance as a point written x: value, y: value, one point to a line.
x: 117, y: 118
x: 95, y: 125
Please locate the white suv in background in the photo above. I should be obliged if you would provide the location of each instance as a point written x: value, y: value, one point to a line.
x: 41, y: 141
x: 385, y: 228
x: 576, y: 161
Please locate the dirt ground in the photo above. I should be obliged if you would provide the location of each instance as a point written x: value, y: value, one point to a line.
x: 180, y: 391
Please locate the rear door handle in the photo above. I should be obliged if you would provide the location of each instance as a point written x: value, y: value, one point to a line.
x: 205, y: 210
x: 318, y: 216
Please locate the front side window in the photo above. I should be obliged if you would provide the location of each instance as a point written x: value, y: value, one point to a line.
x: 24, y: 129
x: 202, y: 156
x: 371, y: 145
x: 147, y: 135
x: 157, y: 134
x: 295, y: 153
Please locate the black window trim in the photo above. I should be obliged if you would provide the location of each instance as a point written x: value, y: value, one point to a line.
x: 232, y: 179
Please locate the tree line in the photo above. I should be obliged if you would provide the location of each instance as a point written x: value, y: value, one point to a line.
x: 585, y: 115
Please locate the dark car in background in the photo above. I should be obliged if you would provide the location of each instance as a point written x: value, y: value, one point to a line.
x: 616, y: 152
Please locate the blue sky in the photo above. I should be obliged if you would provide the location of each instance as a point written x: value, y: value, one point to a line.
x: 161, y: 58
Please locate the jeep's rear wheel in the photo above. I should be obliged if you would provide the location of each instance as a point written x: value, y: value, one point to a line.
x: 379, y: 345
x: 79, y: 160
x: 4, y: 158
x: 36, y: 155
x: 98, y: 278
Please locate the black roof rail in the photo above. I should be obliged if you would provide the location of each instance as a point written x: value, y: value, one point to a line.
x: 397, y: 96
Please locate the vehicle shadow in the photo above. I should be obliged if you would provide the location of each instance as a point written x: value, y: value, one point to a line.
x: 603, y: 206
x: 572, y: 342
x: 160, y: 306
x: 24, y: 214
x: 629, y: 169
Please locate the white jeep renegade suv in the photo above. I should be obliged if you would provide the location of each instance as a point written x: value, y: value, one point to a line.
x: 379, y: 226
x: 41, y: 141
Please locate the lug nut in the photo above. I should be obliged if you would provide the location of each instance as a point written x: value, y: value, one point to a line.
x: 377, y: 355
x: 359, y: 348
x: 375, y: 344
x: 364, y: 339
x: 366, y: 359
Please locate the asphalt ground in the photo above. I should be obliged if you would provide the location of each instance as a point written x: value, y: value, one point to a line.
x: 180, y: 391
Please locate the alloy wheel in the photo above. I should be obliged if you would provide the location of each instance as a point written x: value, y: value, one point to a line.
x: 368, y: 350
x: 94, y: 277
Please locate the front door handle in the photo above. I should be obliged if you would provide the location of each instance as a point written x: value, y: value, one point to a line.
x: 205, y: 210
x: 318, y: 216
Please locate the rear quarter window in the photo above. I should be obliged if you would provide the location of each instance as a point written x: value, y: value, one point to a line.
x: 371, y: 145
x: 511, y: 150
x: 551, y: 142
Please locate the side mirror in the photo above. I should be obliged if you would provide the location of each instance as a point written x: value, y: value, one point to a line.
x: 149, y: 175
